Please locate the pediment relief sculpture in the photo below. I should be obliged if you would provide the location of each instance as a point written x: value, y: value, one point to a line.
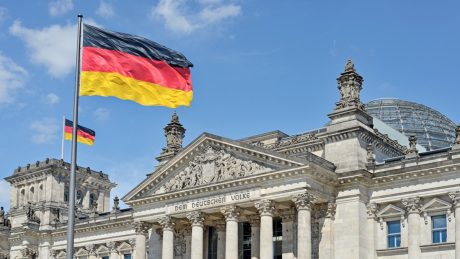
x: 210, y: 167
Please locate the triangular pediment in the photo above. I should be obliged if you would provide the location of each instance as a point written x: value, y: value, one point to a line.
x: 436, y: 205
x: 390, y: 211
x: 209, y: 160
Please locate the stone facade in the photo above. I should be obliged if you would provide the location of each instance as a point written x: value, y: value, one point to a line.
x: 345, y: 191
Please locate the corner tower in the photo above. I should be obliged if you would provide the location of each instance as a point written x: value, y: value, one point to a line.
x: 174, y: 133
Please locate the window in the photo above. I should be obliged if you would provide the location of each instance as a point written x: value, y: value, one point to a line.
x: 127, y: 256
x: 212, y: 243
x: 277, y: 238
x: 105, y: 257
x: 394, y: 233
x: 439, y: 230
x: 66, y: 194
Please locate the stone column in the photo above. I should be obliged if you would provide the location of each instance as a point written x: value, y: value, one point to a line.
x: 231, y: 214
x: 155, y: 243
x: 455, y: 196
x: 413, y: 218
x: 266, y: 208
x: 254, y: 220
x: 91, y: 251
x: 142, y: 229
x: 168, y: 237
x: 196, y: 218
x: 113, y: 249
x: 287, y: 220
x: 220, y: 228
x: 303, y: 204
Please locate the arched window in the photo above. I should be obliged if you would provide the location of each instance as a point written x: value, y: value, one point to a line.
x: 31, y: 194
x: 66, y: 194
x: 23, y: 196
x: 92, y: 200
x: 79, y: 197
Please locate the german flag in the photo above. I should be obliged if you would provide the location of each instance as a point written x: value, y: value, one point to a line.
x: 133, y: 68
x: 85, y: 135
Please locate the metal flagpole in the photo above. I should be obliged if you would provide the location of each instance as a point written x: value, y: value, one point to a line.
x: 71, y: 220
x: 63, y: 136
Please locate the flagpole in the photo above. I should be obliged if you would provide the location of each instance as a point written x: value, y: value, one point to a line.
x: 63, y: 136
x: 71, y: 216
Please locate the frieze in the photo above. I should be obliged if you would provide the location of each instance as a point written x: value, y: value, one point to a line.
x: 210, y: 167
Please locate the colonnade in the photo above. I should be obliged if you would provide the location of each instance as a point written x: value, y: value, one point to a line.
x: 227, y: 235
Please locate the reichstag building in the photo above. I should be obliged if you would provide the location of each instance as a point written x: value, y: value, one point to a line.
x: 380, y: 180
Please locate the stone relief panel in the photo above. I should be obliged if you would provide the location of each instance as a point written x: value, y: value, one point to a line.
x: 210, y: 167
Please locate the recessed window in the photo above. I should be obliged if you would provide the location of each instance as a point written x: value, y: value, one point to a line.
x: 105, y: 257
x: 439, y: 230
x: 394, y: 233
x: 127, y: 256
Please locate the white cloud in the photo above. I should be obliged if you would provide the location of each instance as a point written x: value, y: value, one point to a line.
x: 3, y: 14
x: 12, y: 78
x: 105, y: 10
x: 179, y: 17
x: 4, y: 194
x: 216, y: 14
x: 51, y: 98
x: 101, y: 114
x: 53, y: 46
x: 59, y: 7
x: 44, y: 131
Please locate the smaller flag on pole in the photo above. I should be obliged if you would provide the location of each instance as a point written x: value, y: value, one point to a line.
x: 85, y: 135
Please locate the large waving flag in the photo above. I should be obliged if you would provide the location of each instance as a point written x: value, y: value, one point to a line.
x: 133, y: 68
x: 84, y: 135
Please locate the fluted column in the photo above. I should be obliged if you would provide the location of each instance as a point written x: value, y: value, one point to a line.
x: 254, y: 220
x: 168, y: 237
x: 91, y: 251
x: 113, y: 249
x: 220, y: 228
x: 287, y: 220
x: 196, y: 218
x: 303, y: 205
x: 413, y: 217
x: 231, y: 214
x: 266, y: 208
x: 455, y: 196
x: 142, y: 229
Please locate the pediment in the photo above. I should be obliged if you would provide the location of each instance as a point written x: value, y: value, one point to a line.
x: 81, y: 252
x: 436, y: 205
x: 208, y: 160
x: 390, y: 211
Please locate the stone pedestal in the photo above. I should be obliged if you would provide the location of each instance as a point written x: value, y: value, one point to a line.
x: 196, y: 218
x: 413, y: 218
x: 231, y: 237
x: 266, y: 208
x: 303, y: 204
x: 168, y: 238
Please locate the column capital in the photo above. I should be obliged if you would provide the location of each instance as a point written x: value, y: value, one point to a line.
x: 304, y: 201
x: 254, y: 220
x: 412, y: 204
x: 91, y: 249
x: 455, y: 197
x: 265, y: 207
x: 230, y: 212
x: 112, y: 245
x: 141, y: 227
x: 372, y: 209
x: 196, y: 218
x: 167, y: 223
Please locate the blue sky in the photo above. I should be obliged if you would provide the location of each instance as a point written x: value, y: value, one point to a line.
x: 259, y: 66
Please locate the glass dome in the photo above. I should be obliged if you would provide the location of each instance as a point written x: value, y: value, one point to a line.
x: 432, y: 129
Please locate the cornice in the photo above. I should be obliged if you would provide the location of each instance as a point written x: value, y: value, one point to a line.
x: 329, y: 178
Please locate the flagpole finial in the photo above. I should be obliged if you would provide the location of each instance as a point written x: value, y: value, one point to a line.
x: 80, y: 15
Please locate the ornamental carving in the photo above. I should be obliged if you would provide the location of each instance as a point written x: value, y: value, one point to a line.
x: 412, y: 204
x: 350, y: 85
x: 304, y: 201
x: 112, y: 246
x: 292, y: 140
x: 265, y: 207
x: 330, y: 210
x: 141, y: 227
x: 167, y: 223
x: 91, y: 249
x: 455, y: 197
x: 230, y: 212
x: 196, y: 218
x: 210, y: 167
x: 372, y: 209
